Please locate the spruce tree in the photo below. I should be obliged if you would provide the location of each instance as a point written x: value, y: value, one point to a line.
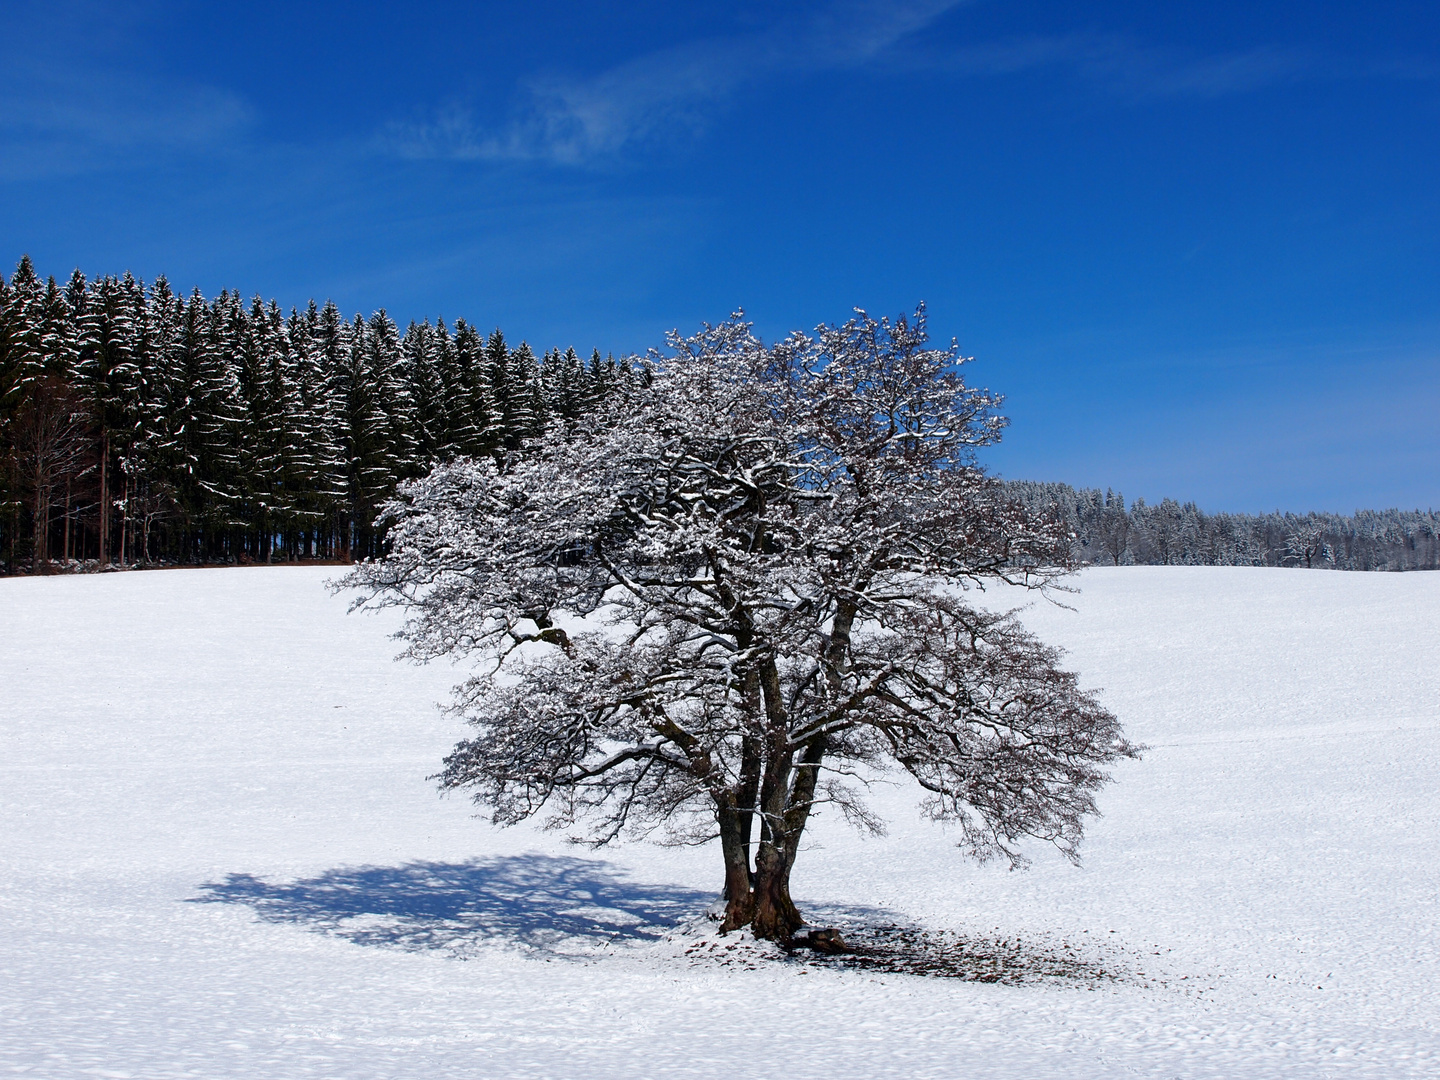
x: 325, y: 484
x: 419, y: 366
x: 476, y: 426
x: 526, y: 414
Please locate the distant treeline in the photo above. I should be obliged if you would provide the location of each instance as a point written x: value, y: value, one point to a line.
x: 139, y: 426
x: 1109, y: 533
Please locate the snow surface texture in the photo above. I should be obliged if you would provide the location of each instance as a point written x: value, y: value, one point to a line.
x: 221, y: 858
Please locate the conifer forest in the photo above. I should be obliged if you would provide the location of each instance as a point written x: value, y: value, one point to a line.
x: 141, y: 427
x: 138, y: 426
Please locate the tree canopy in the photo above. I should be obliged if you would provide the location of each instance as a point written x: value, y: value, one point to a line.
x: 737, y: 592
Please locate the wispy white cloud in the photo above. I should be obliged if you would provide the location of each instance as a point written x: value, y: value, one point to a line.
x: 1234, y: 73
x: 1125, y: 67
x: 68, y: 129
x: 672, y: 90
x: 69, y: 105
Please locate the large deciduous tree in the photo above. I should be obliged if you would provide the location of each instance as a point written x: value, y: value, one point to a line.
x: 738, y: 591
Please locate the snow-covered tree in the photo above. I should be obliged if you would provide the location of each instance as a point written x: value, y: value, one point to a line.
x: 1305, y: 544
x: 735, y: 593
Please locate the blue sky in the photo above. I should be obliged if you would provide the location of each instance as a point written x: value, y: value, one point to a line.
x: 1197, y: 245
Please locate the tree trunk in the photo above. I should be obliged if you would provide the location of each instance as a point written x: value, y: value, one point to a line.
x: 38, y: 538
x: 776, y: 916
x: 739, y: 899
x: 104, y: 525
x: 124, y: 519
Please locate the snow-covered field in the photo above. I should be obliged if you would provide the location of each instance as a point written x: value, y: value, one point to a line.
x: 221, y: 858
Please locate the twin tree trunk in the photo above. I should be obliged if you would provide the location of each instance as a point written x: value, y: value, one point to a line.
x: 760, y: 897
x: 781, y: 794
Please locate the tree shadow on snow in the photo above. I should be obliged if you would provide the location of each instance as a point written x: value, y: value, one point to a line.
x: 553, y: 904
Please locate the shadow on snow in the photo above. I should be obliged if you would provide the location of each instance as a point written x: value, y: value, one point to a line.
x: 548, y: 903
x: 569, y: 907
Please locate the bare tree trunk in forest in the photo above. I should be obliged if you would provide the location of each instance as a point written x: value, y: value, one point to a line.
x: 49, y: 443
x: 124, y: 518
x: 68, y: 483
x: 40, y: 539
x: 104, y: 525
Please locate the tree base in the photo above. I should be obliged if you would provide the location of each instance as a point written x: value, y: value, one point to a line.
x: 770, y: 914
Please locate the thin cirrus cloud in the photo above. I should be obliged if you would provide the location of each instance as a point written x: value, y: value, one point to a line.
x: 567, y: 121
x: 1124, y: 67
x: 72, y: 98
x: 673, y: 91
x: 60, y: 118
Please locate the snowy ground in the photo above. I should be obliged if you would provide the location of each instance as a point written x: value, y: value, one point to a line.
x: 221, y: 858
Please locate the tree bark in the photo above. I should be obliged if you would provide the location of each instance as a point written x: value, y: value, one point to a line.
x: 788, y: 796
x: 124, y: 519
x: 776, y: 917
x: 104, y: 525
x: 739, y: 897
x: 41, y: 515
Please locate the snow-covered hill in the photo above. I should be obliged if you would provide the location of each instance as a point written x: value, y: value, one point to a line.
x: 222, y: 858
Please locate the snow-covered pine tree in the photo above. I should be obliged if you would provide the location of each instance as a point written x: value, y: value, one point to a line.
x: 567, y: 393
x: 58, y: 341
x: 526, y: 413
x: 501, y: 388
x: 259, y: 446
x: 472, y: 403
x: 294, y: 465
x: 219, y: 415
x: 318, y: 423
x: 386, y: 364
x: 427, y: 422
x: 332, y: 350
x: 457, y: 428
x: 155, y: 453
x: 25, y: 319
x: 594, y: 379
x: 372, y: 430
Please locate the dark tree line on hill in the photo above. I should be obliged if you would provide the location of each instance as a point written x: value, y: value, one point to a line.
x: 1108, y: 533
x: 139, y: 426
